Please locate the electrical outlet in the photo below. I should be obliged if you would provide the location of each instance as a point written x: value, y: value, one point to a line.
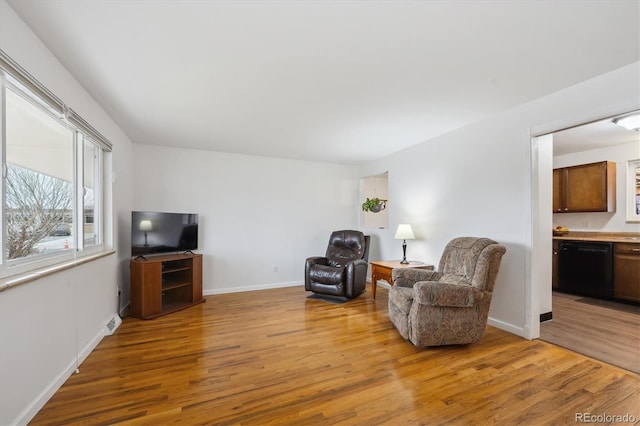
x: 275, y: 268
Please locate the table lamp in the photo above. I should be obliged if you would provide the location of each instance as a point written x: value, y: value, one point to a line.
x: 404, y: 233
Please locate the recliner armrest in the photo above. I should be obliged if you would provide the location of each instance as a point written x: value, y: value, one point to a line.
x: 434, y: 293
x: 309, y: 263
x: 355, y: 277
x: 357, y: 263
x: 355, y: 267
x: 407, y: 277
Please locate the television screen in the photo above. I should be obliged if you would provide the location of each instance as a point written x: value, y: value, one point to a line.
x: 162, y: 232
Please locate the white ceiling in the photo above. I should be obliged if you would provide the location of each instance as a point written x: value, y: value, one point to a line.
x: 599, y: 134
x: 338, y: 81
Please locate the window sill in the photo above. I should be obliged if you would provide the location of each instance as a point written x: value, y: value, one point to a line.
x: 17, y: 280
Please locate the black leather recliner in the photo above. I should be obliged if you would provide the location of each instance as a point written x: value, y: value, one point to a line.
x: 342, y: 272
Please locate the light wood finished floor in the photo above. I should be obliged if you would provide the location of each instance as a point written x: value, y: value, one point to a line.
x: 276, y: 357
x: 609, y: 332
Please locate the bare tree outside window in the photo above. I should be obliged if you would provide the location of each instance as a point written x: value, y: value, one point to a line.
x: 35, y: 205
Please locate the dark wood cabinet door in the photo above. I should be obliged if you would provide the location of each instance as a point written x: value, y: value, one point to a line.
x: 626, y: 272
x: 558, y: 187
x: 585, y: 188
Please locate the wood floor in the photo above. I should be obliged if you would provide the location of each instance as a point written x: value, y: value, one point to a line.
x: 604, y: 330
x: 276, y: 357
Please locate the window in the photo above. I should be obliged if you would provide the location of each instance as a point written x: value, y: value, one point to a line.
x: 53, y: 177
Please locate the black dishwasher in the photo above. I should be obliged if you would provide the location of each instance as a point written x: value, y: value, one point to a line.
x: 586, y: 268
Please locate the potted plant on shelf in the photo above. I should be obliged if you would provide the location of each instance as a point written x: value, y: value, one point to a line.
x: 374, y: 205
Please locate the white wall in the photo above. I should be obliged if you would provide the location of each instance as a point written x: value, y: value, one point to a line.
x: 472, y: 182
x: 47, y: 325
x: 255, y: 212
x: 611, y: 222
x: 476, y: 181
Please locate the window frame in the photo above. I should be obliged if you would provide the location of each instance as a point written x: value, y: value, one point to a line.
x: 16, y: 79
x: 98, y: 197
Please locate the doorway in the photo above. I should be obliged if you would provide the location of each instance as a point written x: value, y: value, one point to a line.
x: 582, y: 143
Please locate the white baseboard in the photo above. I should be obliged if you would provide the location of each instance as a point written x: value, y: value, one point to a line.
x: 208, y: 292
x: 32, y: 409
x: 518, y: 331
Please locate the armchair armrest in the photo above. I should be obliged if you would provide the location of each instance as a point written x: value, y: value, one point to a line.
x: 433, y: 293
x: 407, y: 277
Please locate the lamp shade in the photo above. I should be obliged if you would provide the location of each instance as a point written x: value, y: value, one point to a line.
x: 146, y: 225
x: 404, y: 232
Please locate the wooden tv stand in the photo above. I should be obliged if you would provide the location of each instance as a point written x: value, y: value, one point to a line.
x: 165, y: 284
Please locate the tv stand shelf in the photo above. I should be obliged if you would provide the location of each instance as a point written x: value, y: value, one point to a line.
x: 171, y: 286
x: 165, y: 284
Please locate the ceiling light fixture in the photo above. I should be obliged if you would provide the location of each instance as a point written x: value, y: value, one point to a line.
x: 629, y: 122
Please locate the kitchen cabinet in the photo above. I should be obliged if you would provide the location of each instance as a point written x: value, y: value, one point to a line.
x: 585, y: 188
x: 626, y: 271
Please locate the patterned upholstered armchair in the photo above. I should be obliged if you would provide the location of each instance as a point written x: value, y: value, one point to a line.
x: 342, y: 271
x: 448, y: 306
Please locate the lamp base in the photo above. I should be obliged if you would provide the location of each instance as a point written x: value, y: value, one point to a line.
x: 404, y: 260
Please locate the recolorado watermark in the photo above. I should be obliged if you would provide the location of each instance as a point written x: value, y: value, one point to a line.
x: 604, y: 418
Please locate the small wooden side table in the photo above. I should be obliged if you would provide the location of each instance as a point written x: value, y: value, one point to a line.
x: 381, y: 270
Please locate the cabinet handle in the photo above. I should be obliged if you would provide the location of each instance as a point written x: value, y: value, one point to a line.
x: 566, y: 208
x: 637, y: 249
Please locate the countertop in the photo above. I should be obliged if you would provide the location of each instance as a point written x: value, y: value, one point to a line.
x: 607, y: 237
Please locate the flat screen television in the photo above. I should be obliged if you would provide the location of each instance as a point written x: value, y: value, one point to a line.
x: 163, y: 232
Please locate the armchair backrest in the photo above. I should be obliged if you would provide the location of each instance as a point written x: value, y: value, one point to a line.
x: 475, y: 259
x: 346, y: 246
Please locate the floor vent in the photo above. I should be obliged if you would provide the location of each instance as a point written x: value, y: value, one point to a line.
x: 113, y: 325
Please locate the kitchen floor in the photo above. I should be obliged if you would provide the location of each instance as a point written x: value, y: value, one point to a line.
x: 604, y: 330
